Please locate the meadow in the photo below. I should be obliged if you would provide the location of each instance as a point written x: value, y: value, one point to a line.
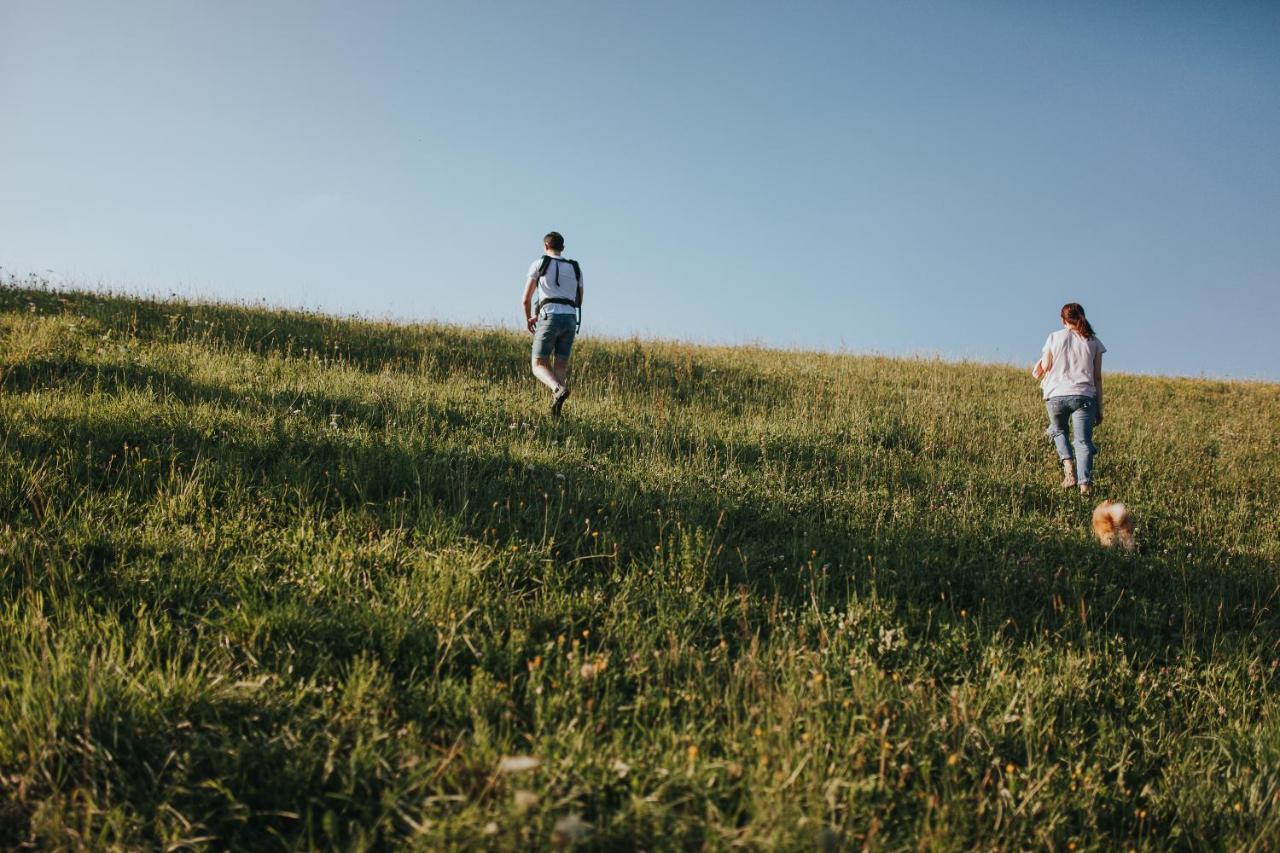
x: 277, y: 580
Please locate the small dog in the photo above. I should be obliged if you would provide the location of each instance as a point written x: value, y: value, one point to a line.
x: 1113, y: 526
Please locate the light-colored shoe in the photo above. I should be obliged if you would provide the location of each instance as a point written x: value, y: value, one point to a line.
x: 1086, y: 489
x: 1068, y: 473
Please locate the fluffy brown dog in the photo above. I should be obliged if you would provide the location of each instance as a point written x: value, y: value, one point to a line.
x: 1113, y: 526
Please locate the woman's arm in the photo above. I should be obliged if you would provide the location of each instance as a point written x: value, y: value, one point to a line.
x: 1043, y: 365
x: 1097, y: 381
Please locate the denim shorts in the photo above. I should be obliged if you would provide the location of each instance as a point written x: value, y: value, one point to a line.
x: 554, y: 333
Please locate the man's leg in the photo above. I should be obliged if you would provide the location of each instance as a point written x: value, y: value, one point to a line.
x: 544, y: 374
x: 558, y: 398
x: 543, y: 345
x: 563, y: 346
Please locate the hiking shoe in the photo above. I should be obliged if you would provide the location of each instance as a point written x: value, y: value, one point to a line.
x: 1068, y: 474
x: 557, y: 400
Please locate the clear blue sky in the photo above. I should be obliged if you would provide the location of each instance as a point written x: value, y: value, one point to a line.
x: 897, y: 177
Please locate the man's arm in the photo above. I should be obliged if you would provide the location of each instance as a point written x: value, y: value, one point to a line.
x: 529, y: 317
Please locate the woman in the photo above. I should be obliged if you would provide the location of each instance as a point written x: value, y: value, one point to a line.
x: 1070, y: 374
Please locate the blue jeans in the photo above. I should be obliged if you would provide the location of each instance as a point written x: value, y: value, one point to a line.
x: 1081, y: 412
x: 554, y: 333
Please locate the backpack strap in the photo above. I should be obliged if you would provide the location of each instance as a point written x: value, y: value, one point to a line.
x: 542, y: 270
x: 577, y: 273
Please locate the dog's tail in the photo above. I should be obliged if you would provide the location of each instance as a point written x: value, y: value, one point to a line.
x: 1121, y: 525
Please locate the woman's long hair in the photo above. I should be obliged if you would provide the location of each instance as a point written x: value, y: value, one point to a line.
x: 1073, y: 316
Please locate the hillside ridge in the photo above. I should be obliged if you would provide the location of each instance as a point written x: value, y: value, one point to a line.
x: 173, y: 301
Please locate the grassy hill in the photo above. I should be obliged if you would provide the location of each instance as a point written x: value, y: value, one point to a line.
x: 278, y: 580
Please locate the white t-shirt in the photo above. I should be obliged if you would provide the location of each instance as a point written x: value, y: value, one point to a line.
x: 1072, y: 372
x: 558, y: 282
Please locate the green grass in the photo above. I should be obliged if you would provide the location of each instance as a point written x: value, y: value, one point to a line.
x: 280, y: 580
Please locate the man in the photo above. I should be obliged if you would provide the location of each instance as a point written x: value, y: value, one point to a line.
x: 553, y: 318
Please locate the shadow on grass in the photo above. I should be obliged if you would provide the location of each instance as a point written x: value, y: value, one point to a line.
x: 1023, y: 581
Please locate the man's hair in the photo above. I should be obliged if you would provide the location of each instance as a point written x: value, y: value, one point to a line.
x: 554, y: 241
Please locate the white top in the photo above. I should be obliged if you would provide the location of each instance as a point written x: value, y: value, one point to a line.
x: 558, y: 282
x: 1072, y: 358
